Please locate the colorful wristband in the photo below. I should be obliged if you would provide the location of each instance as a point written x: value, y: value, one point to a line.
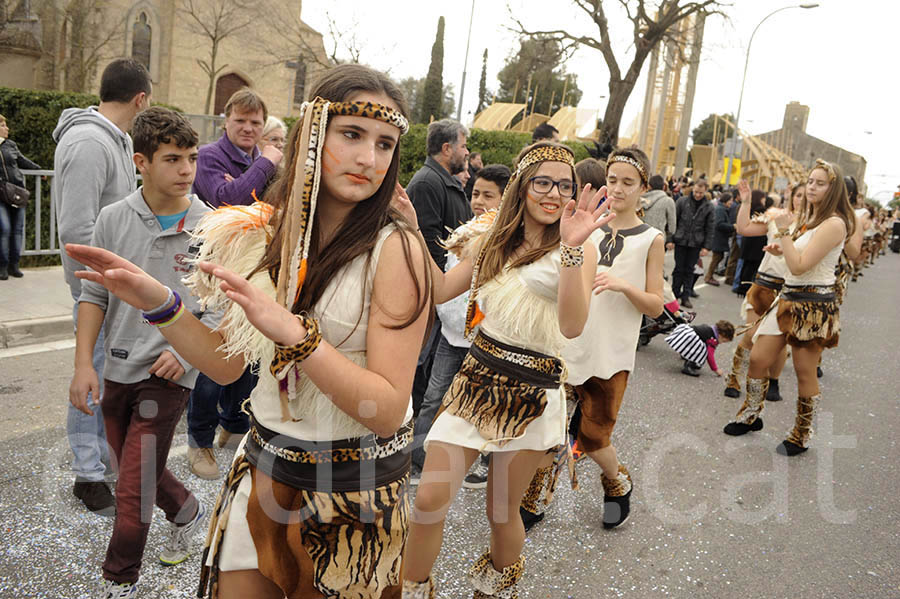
x: 156, y: 318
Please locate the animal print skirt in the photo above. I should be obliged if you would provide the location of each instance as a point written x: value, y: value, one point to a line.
x: 809, y: 314
x: 501, y: 389
x: 316, y: 521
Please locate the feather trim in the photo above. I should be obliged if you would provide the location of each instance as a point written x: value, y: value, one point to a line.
x: 235, y: 238
x: 507, y: 301
x: 465, y: 241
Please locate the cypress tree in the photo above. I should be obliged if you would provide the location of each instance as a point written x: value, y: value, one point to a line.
x: 482, y: 85
x: 434, y: 84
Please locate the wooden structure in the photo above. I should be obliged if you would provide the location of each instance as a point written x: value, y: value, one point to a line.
x: 669, y: 99
x: 762, y: 164
x: 498, y: 116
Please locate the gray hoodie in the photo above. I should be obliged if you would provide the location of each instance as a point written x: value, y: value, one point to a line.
x: 659, y: 212
x: 93, y: 168
x: 129, y: 229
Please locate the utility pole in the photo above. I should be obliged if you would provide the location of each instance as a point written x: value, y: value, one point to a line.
x: 462, y: 87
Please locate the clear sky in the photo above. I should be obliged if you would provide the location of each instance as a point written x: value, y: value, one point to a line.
x: 839, y: 59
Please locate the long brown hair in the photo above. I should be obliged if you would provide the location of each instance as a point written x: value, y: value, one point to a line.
x: 358, y: 233
x: 835, y: 203
x: 509, y: 227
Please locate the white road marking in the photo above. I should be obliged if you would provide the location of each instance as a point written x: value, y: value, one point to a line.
x: 37, y: 348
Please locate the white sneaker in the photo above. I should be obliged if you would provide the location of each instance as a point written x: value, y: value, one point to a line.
x: 119, y: 590
x: 178, y: 545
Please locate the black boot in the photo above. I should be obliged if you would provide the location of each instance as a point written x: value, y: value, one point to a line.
x: 747, y: 418
x: 772, y: 394
x: 96, y: 497
x: 4, y: 274
x: 15, y: 272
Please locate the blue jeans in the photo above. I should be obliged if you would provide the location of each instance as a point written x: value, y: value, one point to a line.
x: 206, y: 400
x: 12, y: 234
x: 87, y: 434
x: 447, y: 360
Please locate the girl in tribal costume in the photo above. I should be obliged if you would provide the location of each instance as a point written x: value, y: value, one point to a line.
x: 325, y: 287
x: 766, y: 286
x: 530, y: 274
x: 628, y: 285
x: 806, y: 313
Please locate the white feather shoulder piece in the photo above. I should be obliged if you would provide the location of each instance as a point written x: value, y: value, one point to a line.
x: 465, y: 241
x: 234, y: 237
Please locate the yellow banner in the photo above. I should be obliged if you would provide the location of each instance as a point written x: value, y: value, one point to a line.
x: 735, y: 170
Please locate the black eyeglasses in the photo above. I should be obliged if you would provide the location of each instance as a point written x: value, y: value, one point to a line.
x: 543, y: 185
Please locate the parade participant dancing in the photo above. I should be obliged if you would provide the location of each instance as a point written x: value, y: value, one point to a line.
x: 531, y: 272
x: 327, y: 289
x: 766, y: 286
x: 805, y: 314
x: 628, y: 285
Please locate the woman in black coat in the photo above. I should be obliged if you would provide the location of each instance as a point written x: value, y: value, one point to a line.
x: 12, y: 220
x: 752, y: 247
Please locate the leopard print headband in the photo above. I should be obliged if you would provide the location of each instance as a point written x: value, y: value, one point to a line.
x: 545, y: 154
x: 629, y: 160
x: 372, y: 111
x: 304, y: 188
x: 825, y: 166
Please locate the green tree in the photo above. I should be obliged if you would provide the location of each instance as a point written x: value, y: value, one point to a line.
x: 414, y: 91
x: 482, y: 85
x: 432, y: 96
x: 703, y: 133
x: 538, y: 61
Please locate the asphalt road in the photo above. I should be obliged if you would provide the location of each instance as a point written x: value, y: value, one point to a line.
x: 712, y: 516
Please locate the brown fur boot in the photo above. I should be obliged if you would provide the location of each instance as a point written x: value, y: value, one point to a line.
x: 739, y: 364
x: 799, y: 437
x: 747, y: 418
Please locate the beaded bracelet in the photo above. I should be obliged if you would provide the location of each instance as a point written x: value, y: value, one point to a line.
x: 571, y: 256
x: 168, y: 315
x: 286, y: 356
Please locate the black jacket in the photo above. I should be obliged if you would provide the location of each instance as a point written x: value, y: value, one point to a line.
x: 694, y: 222
x: 724, y: 230
x: 440, y: 204
x: 13, y: 159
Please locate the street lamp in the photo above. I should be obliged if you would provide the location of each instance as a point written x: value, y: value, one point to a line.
x: 744, y: 80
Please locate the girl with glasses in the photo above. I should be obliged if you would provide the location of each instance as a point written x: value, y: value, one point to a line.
x: 530, y: 274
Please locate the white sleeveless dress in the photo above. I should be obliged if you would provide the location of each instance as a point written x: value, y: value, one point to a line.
x: 521, y: 309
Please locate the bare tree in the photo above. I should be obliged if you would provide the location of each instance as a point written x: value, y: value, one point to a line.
x: 78, y: 35
x: 216, y: 21
x: 647, y: 33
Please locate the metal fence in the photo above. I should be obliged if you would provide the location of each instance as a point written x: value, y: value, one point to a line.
x: 38, y: 198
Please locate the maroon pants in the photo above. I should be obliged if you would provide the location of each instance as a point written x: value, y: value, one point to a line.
x: 140, y: 421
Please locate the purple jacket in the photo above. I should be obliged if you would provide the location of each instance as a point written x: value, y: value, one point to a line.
x: 217, y: 159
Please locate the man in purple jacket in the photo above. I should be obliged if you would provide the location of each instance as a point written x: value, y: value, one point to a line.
x: 230, y: 170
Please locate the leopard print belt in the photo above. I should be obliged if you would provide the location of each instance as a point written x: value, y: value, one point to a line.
x: 524, y: 365
x: 341, y: 465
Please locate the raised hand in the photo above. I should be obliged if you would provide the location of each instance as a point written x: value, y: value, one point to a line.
x: 402, y: 204
x: 263, y: 312
x: 744, y: 191
x: 122, y: 278
x: 589, y: 214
